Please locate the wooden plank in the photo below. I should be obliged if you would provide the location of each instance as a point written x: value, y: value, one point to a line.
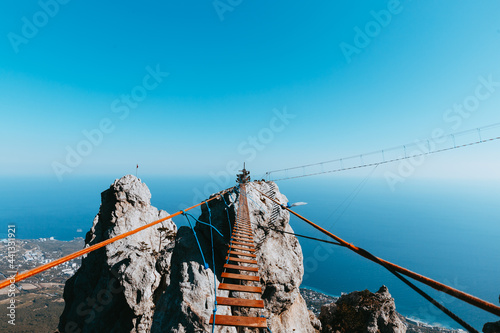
x: 233, y: 301
x: 243, y: 239
x: 247, y: 241
x: 245, y: 244
x: 243, y: 228
x: 243, y: 233
x: 242, y: 268
x: 237, y: 247
x: 237, y: 234
x: 251, y: 255
x: 248, y: 261
x: 248, y: 238
x: 239, y: 287
x: 240, y: 321
x: 240, y: 277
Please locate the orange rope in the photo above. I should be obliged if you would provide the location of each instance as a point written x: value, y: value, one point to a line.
x: 37, y: 270
x: 477, y: 302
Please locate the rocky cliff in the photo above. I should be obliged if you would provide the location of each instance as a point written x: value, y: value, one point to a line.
x: 156, y: 281
x: 362, y: 312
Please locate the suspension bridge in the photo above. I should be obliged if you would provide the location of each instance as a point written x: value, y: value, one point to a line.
x: 240, y: 274
x: 417, y: 149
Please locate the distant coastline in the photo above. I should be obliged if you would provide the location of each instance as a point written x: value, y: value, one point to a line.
x: 314, y: 297
x: 318, y: 291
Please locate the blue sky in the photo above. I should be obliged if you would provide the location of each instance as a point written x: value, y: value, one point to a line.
x: 228, y: 77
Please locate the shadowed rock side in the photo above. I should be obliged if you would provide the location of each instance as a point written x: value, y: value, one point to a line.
x: 156, y: 280
x: 362, y: 312
x: 492, y: 327
x: 188, y: 299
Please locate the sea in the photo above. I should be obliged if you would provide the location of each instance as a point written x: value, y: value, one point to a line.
x: 448, y: 230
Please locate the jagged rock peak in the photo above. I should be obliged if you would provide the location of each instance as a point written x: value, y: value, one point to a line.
x: 113, y: 291
x: 362, y: 311
x: 130, y: 188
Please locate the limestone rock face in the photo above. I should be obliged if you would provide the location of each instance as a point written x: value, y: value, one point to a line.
x: 113, y: 291
x: 280, y: 261
x: 158, y: 280
x: 362, y: 311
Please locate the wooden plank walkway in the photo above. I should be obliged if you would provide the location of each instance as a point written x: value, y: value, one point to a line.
x: 241, y: 248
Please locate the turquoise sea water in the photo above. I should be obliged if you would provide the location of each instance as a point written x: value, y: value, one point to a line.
x: 447, y: 230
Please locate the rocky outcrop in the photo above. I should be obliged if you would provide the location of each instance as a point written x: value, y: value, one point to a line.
x: 280, y: 260
x: 492, y: 327
x: 113, y: 291
x: 156, y: 280
x: 362, y: 311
